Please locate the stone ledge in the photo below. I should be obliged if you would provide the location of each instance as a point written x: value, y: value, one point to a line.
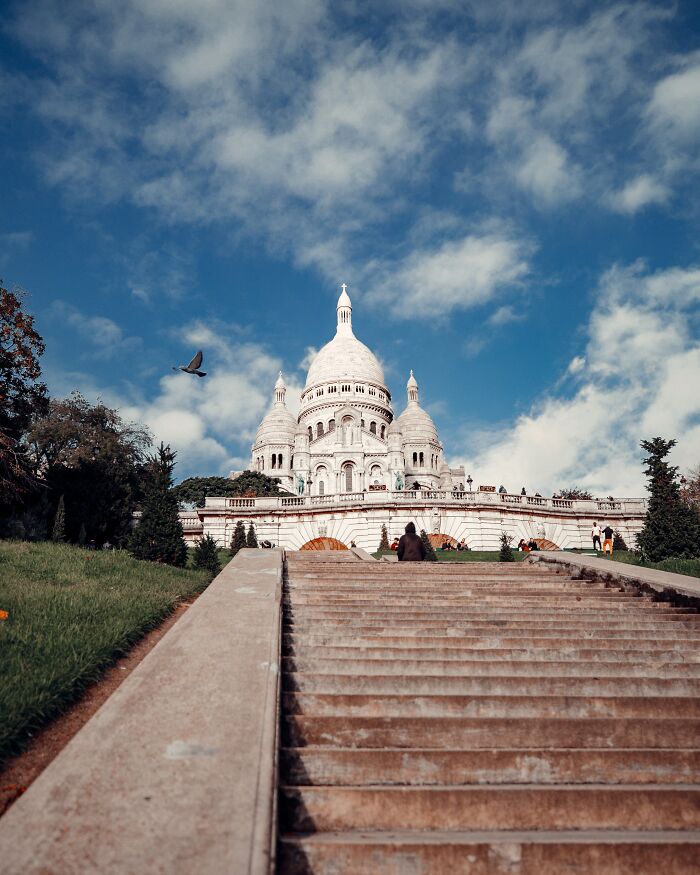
x: 177, y: 771
x: 678, y: 589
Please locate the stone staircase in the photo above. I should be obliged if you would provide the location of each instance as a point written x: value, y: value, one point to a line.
x: 484, y: 718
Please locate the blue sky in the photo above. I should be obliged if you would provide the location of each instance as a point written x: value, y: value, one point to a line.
x: 510, y: 191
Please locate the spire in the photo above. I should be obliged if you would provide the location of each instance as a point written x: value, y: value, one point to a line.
x: 280, y: 389
x: 412, y: 387
x: 344, y: 309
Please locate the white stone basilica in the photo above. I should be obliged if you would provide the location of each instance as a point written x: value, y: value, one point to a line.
x: 346, y: 439
x: 348, y: 467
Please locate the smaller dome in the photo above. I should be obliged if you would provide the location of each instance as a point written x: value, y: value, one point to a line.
x: 394, y: 427
x: 416, y: 425
x: 278, y: 427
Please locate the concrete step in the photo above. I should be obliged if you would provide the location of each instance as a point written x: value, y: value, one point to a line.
x: 581, y: 852
x: 493, y: 654
x: 463, y: 667
x: 502, y: 807
x: 672, y: 640
x: 513, y: 707
x: 488, y: 733
x: 428, y: 767
x: 475, y: 686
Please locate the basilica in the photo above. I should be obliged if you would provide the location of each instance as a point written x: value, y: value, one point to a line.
x: 346, y: 438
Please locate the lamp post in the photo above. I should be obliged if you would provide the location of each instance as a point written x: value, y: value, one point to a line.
x: 469, y: 482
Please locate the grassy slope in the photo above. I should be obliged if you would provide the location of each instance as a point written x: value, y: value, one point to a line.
x: 72, y: 612
x: 691, y: 567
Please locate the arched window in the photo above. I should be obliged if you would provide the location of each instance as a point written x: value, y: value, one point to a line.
x: 347, y: 471
x: 375, y: 474
x: 311, y: 433
x: 383, y: 431
x: 373, y: 427
x: 279, y: 460
x: 321, y: 488
x: 321, y: 472
x: 274, y: 460
x: 331, y: 425
x: 421, y: 460
x: 319, y: 429
x: 415, y: 459
x: 348, y: 420
x: 291, y: 462
x: 362, y: 423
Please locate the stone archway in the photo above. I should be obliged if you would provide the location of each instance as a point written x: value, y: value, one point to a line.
x: 437, y: 540
x: 545, y: 544
x: 324, y: 544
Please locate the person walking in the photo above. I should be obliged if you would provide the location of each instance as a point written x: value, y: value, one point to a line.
x: 595, y: 534
x: 608, y: 539
x: 411, y: 548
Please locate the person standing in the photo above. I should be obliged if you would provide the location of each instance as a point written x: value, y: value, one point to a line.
x: 608, y: 539
x: 411, y: 548
x: 595, y: 534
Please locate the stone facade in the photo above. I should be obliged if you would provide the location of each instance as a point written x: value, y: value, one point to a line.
x: 478, y: 517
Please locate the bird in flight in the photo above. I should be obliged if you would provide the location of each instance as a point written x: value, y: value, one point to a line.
x: 193, y: 366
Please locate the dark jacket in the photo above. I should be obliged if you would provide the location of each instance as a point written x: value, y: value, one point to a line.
x: 411, y: 548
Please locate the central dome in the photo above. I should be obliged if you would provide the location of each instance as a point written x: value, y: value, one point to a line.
x: 344, y: 357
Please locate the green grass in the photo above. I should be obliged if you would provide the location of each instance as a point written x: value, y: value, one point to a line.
x: 691, y: 567
x: 474, y: 555
x: 466, y: 555
x: 72, y: 613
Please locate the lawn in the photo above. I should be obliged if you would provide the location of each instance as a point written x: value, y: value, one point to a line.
x: 468, y: 555
x: 72, y: 613
x: 691, y: 567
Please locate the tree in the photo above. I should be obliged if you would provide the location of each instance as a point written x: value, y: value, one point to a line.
x: 429, y: 551
x: 88, y: 454
x: 384, y: 539
x: 574, y: 493
x: 672, y: 527
x: 158, y: 535
x: 690, y: 488
x: 58, y: 532
x: 251, y: 540
x: 619, y: 542
x: 206, y: 555
x: 238, y: 540
x: 194, y: 490
x: 506, y: 554
x: 22, y: 396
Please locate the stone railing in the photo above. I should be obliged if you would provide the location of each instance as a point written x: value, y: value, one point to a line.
x: 292, y: 503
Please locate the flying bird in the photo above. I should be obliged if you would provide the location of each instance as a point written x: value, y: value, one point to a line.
x: 193, y: 366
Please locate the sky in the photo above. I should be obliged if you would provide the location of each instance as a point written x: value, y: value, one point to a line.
x: 510, y: 190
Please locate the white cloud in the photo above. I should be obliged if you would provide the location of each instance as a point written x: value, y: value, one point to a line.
x: 674, y: 108
x: 638, y: 193
x: 104, y: 335
x: 503, y: 315
x: 640, y: 378
x: 456, y: 275
x: 211, y: 421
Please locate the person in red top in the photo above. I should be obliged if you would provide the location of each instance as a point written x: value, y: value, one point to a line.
x: 395, y: 544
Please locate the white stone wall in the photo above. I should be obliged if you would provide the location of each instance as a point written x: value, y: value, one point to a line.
x: 292, y: 522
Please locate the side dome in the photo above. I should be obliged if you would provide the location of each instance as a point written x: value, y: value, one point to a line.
x: 278, y: 425
x: 344, y: 357
x: 415, y: 424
